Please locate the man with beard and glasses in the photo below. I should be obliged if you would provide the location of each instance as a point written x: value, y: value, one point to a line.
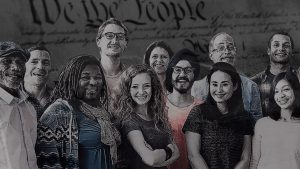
x: 180, y: 76
x: 112, y: 39
x: 222, y: 49
x: 18, y: 123
x: 280, y: 47
x: 36, y: 76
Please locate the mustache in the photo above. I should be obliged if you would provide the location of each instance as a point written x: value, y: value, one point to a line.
x: 182, y: 78
x: 115, y: 44
x: 41, y: 71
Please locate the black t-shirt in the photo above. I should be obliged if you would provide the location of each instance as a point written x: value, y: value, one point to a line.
x: 157, y: 139
x: 222, y: 136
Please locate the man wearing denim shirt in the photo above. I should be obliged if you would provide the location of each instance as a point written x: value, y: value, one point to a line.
x: 18, y: 123
x: 280, y: 47
x: 222, y: 49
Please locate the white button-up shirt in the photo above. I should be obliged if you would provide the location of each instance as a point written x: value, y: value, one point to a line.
x: 18, y: 132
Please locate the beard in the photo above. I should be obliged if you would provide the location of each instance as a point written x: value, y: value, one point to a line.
x: 180, y: 88
x: 279, y: 61
x: 11, y: 82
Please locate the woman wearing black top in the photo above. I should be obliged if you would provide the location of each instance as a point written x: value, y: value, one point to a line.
x: 220, y: 128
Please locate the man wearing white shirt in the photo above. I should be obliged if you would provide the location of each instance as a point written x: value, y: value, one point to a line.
x: 18, y: 124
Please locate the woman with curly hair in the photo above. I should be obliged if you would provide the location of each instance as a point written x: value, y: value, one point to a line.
x: 145, y: 127
x: 157, y: 55
x: 276, y: 141
x: 76, y: 131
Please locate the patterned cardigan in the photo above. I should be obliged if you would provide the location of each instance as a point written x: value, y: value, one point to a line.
x: 57, y: 144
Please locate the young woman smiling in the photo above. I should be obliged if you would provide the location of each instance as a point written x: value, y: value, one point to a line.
x: 218, y: 132
x: 145, y: 128
x: 276, y: 141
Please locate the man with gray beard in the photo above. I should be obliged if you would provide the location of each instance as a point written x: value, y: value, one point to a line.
x: 18, y: 123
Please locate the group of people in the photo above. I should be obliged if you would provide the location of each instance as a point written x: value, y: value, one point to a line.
x: 102, y: 114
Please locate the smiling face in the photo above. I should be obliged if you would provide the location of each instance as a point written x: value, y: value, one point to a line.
x: 223, y: 49
x: 182, y: 76
x: 111, y: 42
x: 280, y: 49
x: 159, y: 60
x: 90, y: 83
x: 37, y: 67
x: 284, y: 94
x: 141, y: 88
x: 12, y: 70
x: 221, y: 86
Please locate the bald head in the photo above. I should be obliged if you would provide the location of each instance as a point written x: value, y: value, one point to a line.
x: 222, y: 48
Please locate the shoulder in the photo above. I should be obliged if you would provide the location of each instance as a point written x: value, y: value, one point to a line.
x: 200, y: 82
x: 130, y: 124
x: 258, y: 77
x: 58, y: 113
x: 197, y: 101
x: 248, y: 83
x: 263, y: 121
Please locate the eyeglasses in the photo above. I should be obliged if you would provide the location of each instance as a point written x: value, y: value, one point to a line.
x: 186, y: 70
x: 111, y: 35
x: 222, y: 48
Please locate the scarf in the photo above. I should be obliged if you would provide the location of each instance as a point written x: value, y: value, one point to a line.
x: 109, y: 133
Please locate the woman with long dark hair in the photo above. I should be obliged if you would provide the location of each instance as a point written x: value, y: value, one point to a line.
x: 158, y: 55
x: 145, y: 128
x: 218, y: 132
x: 75, y: 131
x: 276, y: 141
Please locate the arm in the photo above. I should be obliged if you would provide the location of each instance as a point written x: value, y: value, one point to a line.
x: 149, y: 157
x: 47, y: 148
x: 255, y: 105
x: 256, y: 149
x: 245, y: 158
x: 193, y: 141
x: 50, y: 136
x: 298, y: 74
x: 174, y: 157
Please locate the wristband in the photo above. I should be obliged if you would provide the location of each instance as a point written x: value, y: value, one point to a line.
x: 168, y: 152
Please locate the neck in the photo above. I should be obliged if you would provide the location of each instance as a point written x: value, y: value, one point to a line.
x: 276, y: 68
x: 34, y: 89
x: 286, y: 114
x: 111, y: 65
x: 162, y: 78
x: 179, y: 99
x: 142, y: 110
x: 92, y: 102
x: 223, y: 108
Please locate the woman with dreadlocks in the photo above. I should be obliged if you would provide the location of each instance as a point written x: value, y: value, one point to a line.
x: 145, y: 127
x: 75, y: 131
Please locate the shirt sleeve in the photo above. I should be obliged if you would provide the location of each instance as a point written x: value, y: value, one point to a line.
x: 255, y: 107
x: 130, y: 125
x: 193, y: 122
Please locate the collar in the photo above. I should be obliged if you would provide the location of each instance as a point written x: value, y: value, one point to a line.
x: 8, y: 98
x: 41, y: 94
